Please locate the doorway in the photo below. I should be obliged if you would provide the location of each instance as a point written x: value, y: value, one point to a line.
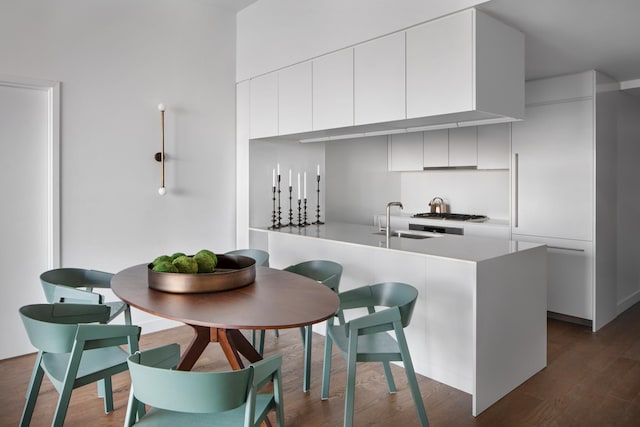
x: 29, y: 217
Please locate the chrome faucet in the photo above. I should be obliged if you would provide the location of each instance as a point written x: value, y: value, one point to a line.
x: 388, y: 229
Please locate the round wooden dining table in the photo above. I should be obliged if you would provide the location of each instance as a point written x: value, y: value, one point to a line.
x: 277, y: 299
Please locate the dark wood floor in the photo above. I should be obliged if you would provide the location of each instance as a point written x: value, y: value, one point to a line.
x: 591, y: 380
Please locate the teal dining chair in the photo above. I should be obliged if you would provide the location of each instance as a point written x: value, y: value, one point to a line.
x: 328, y: 273
x: 366, y: 339
x: 262, y: 258
x: 76, y: 285
x: 180, y: 398
x: 75, y: 348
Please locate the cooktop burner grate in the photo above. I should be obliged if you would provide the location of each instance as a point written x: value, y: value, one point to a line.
x: 451, y: 216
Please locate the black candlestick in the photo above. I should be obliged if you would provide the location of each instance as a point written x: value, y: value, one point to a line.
x: 305, y: 223
x: 300, y: 223
x: 317, y: 221
x: 291, y: 224
x: 279, y: 209
x: 273, y: 212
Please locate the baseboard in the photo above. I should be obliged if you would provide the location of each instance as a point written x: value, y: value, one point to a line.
x: 570, y: 319
x: 629, y: 301
x: 158, y: 324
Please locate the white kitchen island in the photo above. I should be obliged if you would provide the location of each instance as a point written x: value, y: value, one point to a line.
x: 479, y: 324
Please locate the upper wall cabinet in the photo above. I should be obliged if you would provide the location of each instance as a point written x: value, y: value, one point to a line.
x: 465, y: 62
x: 494, y: 142
x: 333, y: 90
x: 465, y: 67
x: 379, y: 80
x: 294, y: 99
x: 264, y: 106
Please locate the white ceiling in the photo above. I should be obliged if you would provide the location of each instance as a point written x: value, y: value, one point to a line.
x: 566, y: 36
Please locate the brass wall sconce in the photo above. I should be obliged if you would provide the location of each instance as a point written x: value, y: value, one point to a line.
x: 160, y: 156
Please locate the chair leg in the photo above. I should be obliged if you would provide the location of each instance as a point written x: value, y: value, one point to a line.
x: 262, y: 338
x: 389, y: 376
x: 308, y: 331
x: 127, y: 315
x: 106, y: 393
x: 32, y: 392
x: 350, y: 390
x: 326, y: 366
x: 411, y: 377
x: 63, y: 404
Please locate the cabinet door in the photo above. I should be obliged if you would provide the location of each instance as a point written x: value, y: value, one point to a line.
x: 553, y: 171
x: 493, y: 146
x: 440, y: 78
x: 380, y: 80
x: 570, y: 276
x: 406, y: 152
x: 436, y: 149
x: 463, y: 146
x: 333, y: 90
x: 264, y: 106
x: 294, y: 99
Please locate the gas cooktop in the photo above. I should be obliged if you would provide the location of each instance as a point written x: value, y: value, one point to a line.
x: 451, y: 216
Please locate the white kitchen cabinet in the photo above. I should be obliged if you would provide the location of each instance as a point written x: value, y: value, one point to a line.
x: 406, y: 152
x: 436, y: 149
x: 466, y: 63
x: 294, y: 99
x: 440, y: 66
x: 379, y: 80
x: 463, y: 147
x: 570, y: 275
x: 553, y: 171
x: 333, y: 90
x: 493, y: 146
x: 264, y: 106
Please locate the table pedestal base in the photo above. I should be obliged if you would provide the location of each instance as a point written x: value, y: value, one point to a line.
x: 232, y: 342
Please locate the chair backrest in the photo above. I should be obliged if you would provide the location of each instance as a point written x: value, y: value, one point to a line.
x: 323, y: 271
x: 52, y: 328
x: 59, y: 285
x: 396, y: 294
x: 155, y: 383
x: 261, y: 257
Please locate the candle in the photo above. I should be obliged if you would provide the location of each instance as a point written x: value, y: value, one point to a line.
x: 318, y: 170
x: 289, y: 177
x: 298, y: 185
x: 305, y: 185
x: 278, y: 169
x: 274, y: 178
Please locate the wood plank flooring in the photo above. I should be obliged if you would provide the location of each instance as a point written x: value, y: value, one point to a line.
x: 591, y: 380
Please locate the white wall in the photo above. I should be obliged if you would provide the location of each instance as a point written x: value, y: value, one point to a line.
x: 628, y: 212
x: 117, y: 60
x: 359, y: 185
x: 276, y: 33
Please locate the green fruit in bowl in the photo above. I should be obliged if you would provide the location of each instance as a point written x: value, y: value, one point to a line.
x: 176, y: 255
x: 185, y: 264
x: 209, y: 253
x: 206, y: 263
x: 164, y: 267
x: 162, y: 258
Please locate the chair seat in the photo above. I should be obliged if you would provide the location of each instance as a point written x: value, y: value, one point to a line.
x: 113, y: 359
x: 371, y: 348
x: 164, y: 418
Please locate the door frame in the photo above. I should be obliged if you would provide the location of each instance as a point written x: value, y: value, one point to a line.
x: 52, y: 88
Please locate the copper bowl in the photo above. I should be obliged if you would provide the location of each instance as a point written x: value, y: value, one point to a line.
x: 232, y: 271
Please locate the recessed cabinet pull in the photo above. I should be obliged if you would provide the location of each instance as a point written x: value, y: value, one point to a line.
x: 565, y: 249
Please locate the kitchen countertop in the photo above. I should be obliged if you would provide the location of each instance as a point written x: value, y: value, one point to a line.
x: 465, y: 248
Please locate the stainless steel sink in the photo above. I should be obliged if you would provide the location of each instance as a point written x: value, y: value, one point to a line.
x: 403, y: 234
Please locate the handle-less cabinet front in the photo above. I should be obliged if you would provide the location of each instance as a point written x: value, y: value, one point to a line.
x: 333, y: 90
x: 379, y: 72
x: 264, y: 106
x: 294, y: 99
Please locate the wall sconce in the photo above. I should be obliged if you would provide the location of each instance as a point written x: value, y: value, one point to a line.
x: 160, y: 156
